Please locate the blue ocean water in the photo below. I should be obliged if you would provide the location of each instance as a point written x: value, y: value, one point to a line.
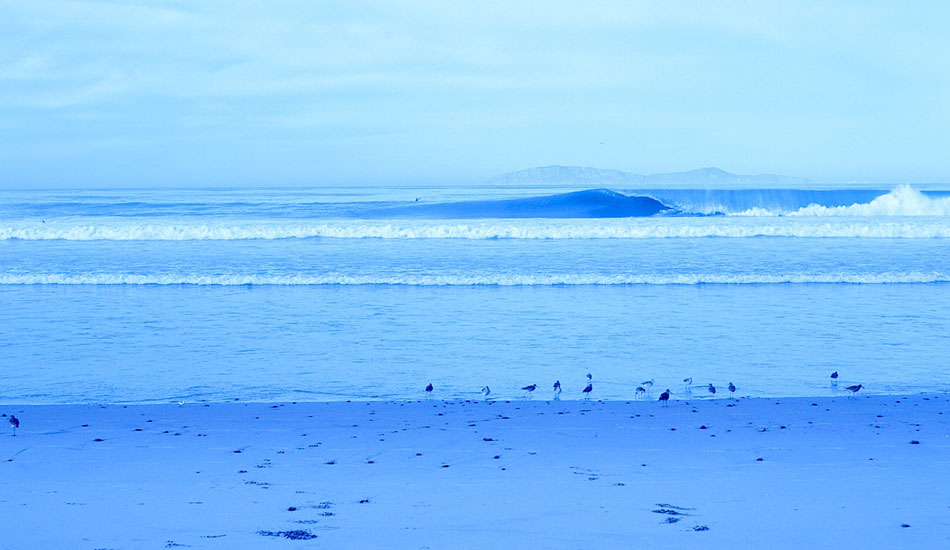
x: 324, y: 294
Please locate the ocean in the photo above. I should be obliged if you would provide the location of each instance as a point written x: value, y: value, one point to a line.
x: 142, y: 296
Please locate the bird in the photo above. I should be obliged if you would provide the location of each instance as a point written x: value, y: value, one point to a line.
x: 834, y: 378
x: 590, y: 377
x: 665, y: 397
x: 732, y: 387
x: 557, y: 389
x: 181, y: 403
x: 649, y: 383
x: 854, y: 389
x: 587, y: 390
x: 14, y: 423
x: 487, y: 391
x: 712, y: 389
x: 429, y: 390
x: 640, y: 392
x: 688, y: 381
x: 529, y: 389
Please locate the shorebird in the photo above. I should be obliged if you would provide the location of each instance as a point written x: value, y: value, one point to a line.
x: 665, y: 397
x: 557, y: 389
x: 487, y: 391
x: 590, y: 377
x: 854, y: 389
x: 429, y: 390
x: 712, y: 389
x: 14, y: 423
x: 648, y: 384
x: 181, y: 403
x: 587, y: 390
x: 640, y: 392
x: 834, y: 378
x: 732, y: 387
x: 529, y: 389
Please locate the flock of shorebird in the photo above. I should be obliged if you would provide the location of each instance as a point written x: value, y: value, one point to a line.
x: 642, y: 390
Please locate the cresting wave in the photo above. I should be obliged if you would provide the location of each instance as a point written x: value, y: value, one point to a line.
x: 630, y: 228
x: 470, y: 280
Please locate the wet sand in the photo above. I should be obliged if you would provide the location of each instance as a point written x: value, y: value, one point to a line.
x: 777, y: 473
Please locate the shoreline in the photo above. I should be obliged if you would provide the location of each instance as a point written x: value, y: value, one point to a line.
x: 462, y: 474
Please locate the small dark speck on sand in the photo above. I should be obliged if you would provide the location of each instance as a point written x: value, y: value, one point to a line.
x: 237, y: 452
x: 905, y: 525
x: 760, y: 459
x: 364, y: 501
x: 98, y: 440
x: 671, y: 520
x: 914, y: 442
x: 296, y: 534
x: 445, y: 465
x: 330, y: 462
x: 700, y: 528
x: 703, y: 427
x: 496, y: 457
x: 291, y: 508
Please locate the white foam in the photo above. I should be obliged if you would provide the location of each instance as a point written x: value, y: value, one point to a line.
x: 902, y: 201
x: 801, y: 226
x: 469, y: 280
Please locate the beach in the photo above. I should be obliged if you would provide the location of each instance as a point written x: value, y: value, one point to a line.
x: 826, y: 472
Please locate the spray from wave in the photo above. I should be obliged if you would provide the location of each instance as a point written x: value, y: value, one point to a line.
x: 903, y: 201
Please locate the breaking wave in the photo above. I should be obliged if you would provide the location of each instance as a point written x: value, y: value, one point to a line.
x: 903, y: 201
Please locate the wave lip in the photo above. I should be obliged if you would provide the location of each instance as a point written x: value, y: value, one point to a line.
x: 332, y: 279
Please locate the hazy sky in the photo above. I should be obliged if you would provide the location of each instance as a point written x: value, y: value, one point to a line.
x: 122, y: 93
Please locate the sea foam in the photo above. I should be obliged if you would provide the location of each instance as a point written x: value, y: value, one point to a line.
x: 633, y: 228
x: 471, y: 280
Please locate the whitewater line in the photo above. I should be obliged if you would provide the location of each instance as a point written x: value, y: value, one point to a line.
x: 467, y: 280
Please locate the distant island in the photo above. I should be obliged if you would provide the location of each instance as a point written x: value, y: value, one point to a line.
x: 596, y: 177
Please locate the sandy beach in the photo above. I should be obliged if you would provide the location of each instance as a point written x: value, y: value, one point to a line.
x: 779, y: 473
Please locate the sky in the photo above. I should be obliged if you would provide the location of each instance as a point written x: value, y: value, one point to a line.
x: 278, y: 93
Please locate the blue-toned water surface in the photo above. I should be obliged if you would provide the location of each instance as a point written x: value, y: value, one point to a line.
x: 141, y: 296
